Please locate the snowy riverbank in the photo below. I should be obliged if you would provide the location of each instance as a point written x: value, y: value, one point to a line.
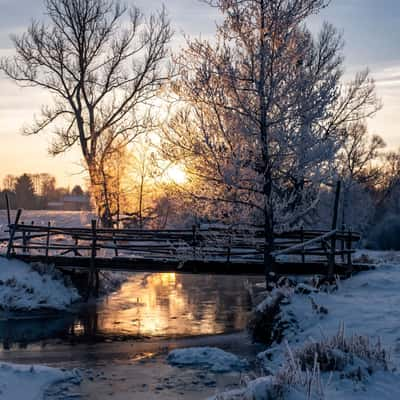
x: 25, y: 287
x: 353, y: 368
x: 340, y: 342
x: 31, y: 382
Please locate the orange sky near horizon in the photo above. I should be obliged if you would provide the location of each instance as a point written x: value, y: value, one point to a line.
x: 19, y: 154
x: 29, y: 154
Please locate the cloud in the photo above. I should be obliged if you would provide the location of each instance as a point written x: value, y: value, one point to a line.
x: 371, y: 31
x: 387, y: 81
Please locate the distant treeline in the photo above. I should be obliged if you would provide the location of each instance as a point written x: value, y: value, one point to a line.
x: 39, y: 191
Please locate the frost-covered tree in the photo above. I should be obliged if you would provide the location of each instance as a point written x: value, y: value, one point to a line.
x: 102, y: 62
x: 262, y: 111
x: 358, y: 167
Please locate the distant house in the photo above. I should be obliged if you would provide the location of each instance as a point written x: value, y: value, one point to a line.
x: 55, y: 205
x: 76, y: 203
x: 71, y: 203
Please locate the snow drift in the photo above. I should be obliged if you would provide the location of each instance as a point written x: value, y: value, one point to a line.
x: 315, y: 361
x: 25, y: 287
x: 215, y: 359
x: 30, y: 382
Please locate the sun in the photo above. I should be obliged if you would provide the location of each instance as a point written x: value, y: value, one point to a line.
x: 176, y: 174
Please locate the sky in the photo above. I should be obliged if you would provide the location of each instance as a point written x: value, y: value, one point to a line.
x: 371, y: 30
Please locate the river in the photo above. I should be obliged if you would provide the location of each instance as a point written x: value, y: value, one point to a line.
x: 120, y: 342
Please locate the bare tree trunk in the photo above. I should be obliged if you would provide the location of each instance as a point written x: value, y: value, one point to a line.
x: 141, y: 202
x: 106, y: 215
x: 267, y: 186
x: 100, y: 193
x: 102, y: 61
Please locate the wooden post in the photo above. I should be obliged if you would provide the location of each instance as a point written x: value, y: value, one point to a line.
x: 12, y: 233
x: 229, y: 246
x: 336, y: 205
x: 48, y: 241
x: 349, y: 248
x: 24, y: 241
x: 194, y: 241
x: 343, y: 244
x: 8, y: 209
x: 76, y: 253
x: 28, y: 238
x: 331, y: 260
x: 115, y: 244
x: 303, y: 256
x: 93, y: 275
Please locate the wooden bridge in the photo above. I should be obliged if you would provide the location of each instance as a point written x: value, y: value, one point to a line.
x: 211, y: 250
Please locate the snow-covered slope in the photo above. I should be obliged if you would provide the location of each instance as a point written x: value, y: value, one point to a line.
x: 30, y: 382
x: 24, y: 287
x: 367, y: 306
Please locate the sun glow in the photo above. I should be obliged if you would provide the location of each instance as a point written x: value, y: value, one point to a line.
x: 176, y: 174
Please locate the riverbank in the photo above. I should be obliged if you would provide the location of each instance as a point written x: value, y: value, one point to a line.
x: 120, y: 370
x: 120, y: 343
x: 366, y: 305
x: 26, y: 288
x: 334, y: 341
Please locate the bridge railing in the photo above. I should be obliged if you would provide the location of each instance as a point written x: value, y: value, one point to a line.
x: 222, y: 244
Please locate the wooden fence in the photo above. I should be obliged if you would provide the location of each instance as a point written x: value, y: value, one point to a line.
x: 224, y: 245
x: 211, y: 250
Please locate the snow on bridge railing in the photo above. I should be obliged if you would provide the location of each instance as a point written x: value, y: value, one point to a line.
x: 302, y: 245
x: 231, y: 243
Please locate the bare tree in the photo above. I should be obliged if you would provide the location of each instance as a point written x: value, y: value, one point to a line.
x: 102, y: 62
x: 263, y: 110
x: 9, y: 182
x: 143, y: 170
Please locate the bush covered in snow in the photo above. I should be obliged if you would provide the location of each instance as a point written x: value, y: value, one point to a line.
x: 338, y: 353
x: 354, y: 358
x: 307, y: 372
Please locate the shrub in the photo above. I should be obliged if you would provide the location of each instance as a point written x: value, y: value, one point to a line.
x: 341, y: 353
x: 300, y: 376
x: 354, y: 357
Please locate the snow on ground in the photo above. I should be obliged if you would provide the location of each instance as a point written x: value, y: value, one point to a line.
x: 367, y: 304
x: 71, y: 219
x: 212, y: 358
x: 30, y: 382
x: 24, y: 287
x: 377, y: 257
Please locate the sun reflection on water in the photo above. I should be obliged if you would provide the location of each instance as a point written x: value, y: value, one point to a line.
x: 170, y: 304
